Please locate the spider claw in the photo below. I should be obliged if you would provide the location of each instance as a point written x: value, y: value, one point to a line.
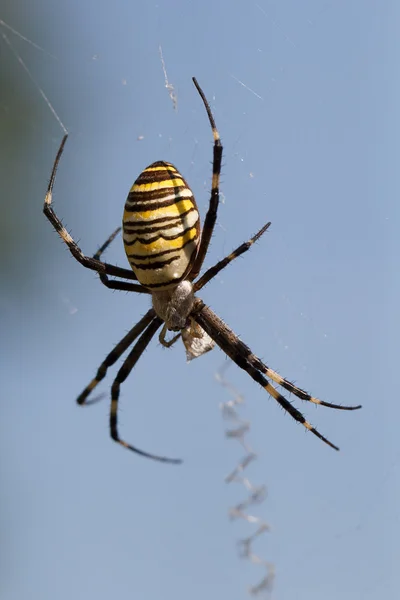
x: 319, y: 435
x: 92, y: 400
x: 164, y: 459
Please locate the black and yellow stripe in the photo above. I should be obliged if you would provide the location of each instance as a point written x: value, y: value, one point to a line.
x: 161, y: 226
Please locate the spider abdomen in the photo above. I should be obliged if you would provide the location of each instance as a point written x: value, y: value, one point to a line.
x: 161, y: 226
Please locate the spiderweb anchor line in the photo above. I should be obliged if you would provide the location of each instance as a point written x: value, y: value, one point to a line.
x: 168, y: 85
x: 25, y: 67
x: 255, y: 494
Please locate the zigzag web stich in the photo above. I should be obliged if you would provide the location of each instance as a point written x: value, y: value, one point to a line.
x: 255, y: 494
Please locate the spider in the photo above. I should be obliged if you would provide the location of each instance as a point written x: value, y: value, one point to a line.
x: 166, y: 249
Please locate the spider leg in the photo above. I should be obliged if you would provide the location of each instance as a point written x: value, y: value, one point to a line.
x: 211, y: 215
x: 123, y: 373
x: 163, y: 335
x: 111, y: 283
x: 242, y: 356
x: 213, y: 271
x: 123, y: 286
x: 108, y: 241
x: 287, y: 385
x: 86, y: 261
x: 114, y: 355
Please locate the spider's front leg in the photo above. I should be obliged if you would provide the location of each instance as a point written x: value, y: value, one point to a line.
x: 112, y: 284
x: 162, y: 337
x: 114, y: 355
x: 86, y: 261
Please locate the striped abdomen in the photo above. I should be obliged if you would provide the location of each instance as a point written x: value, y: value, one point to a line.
x: 161, y: 226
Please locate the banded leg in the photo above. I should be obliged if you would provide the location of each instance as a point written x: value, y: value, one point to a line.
x: 245, y: 359
x: 123, y: 373
x: 86, y: 261
x: 111, y: 283
x: 213, y: 271
x: 115, y: 355
x: 257, y: 363
x: 287, y: 385
x: 211, y: 215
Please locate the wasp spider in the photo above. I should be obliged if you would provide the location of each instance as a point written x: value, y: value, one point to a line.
x: 166, y: 249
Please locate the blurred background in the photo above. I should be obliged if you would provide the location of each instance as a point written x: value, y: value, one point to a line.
x: 305, y: 95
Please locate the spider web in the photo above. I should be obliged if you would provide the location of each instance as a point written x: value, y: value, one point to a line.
x: 255, y: 494
x: 353, y: 505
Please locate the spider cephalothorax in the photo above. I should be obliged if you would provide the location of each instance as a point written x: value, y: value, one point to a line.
x: 166, y: 249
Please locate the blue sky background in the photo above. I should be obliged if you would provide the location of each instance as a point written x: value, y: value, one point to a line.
x: 313, y: 147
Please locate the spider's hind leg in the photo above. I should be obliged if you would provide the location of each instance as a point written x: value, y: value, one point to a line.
x: 122, y: 374
x: 228, y: 341
x: 290, y: 387
x: 115, y: 354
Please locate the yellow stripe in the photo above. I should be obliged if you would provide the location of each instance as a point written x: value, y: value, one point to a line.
x: 161, y: 244
x: 158, y: 185
x: 177, y: 208
x: 165, y: 168
x: 92, y: 384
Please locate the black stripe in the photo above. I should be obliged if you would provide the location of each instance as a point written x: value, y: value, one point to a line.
x: 162, y: 253
x: 131, y: 230
x: 143, y: 206
x: 160, y: 235
x: 157, y: 194
x: 165, y: 283
x: 147, y: 177
x: 156, y: 176
x: 149, y: 222
x: 160, y: 163
x: 155, y: 265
